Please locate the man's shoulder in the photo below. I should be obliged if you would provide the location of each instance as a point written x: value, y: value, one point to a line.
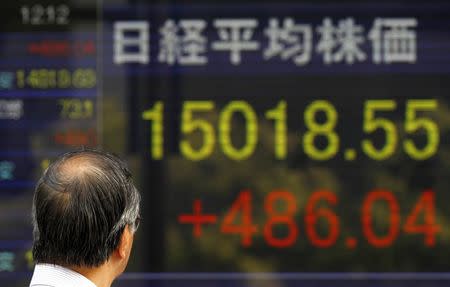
x: 49, y: 275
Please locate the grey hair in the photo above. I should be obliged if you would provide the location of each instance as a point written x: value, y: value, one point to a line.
x: 81, y: 205
x: 130, y: 214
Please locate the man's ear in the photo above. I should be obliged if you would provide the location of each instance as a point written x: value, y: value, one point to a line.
x: 125, y: 243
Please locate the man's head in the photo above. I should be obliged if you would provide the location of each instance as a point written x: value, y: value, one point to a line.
x: 85, y: 211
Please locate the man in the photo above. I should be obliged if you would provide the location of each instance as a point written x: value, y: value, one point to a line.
x: 85, y: 213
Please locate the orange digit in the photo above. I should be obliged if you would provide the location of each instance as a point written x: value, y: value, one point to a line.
x: 278, y: 218
x: 313, y: 215
x: 242, y: 204
x: 394, y: 218
x: 429, y: 227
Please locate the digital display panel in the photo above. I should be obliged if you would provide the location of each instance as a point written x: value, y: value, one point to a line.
x: 294, y: 143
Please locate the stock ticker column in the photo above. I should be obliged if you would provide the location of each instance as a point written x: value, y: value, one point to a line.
x: 293, y: 137
x: 48, y: 105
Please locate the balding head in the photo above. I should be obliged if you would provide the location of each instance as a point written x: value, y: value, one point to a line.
x: 82, y: 204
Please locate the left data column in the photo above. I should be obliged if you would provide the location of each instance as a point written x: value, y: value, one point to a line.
x: 49, y: 104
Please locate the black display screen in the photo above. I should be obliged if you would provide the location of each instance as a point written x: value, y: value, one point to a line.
x: 294, y: 143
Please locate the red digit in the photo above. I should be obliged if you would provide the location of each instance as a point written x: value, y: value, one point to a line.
x: 276, y: 218
x: 313, y: 215
x: 429, y: 227
x: 394, y: 218
x: 243, y: 204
